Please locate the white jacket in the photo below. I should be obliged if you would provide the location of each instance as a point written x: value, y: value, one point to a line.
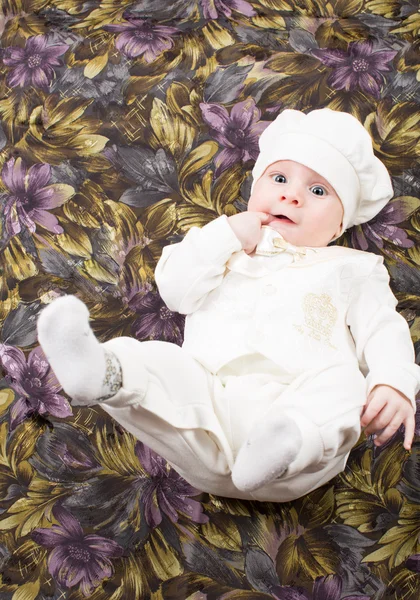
x: 332, y: 305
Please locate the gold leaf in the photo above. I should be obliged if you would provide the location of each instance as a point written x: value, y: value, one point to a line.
x: 282, y: 5
x: 160, y: 219
x: 387, y: 468
x: 138, y: 86
x: 415, y: 329
x: 293, y: 63
x: 217, y: 36
x: 317, y: 554
x: 399, y: 543
x: 99, y: 273
x: 172, y: 133
x: 108, y: 13
x: 411, y: 25
x: 298, y: 91
x: 319, y: 506
x: 200, y: 194
x: 394, y: 131
x: 340, y: 32
x: 6, y: 398
x: 197, y: 159
x: 287, y: 561
x: 4, y: 428
x: 60, y: 112
x: 95, y: 66
x: 27, y: 591
x: 193, y: 216
x: 227, y: 187
x: 23, y: 442
x: 223, y: 533
x: 16, y: 262
x: 355, y: 103
x: 359, y: 510
x: 184, y: 103
x: 33, y: 511
x: 74, y: 240
x: 76, y: 212
x: 118, y: 458
x: 89, y: 144
x: 162, y: 558
x: 349, y: 8
x: 269, y: 22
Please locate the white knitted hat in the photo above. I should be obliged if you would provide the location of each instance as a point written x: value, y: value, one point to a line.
x: 337, y: 146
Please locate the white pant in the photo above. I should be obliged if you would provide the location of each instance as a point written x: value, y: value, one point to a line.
x: 197, y: 421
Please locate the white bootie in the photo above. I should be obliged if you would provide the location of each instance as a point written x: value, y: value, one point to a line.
x: 75, y: 355
x: 270, y: 449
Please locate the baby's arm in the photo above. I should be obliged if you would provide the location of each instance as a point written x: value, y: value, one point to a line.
x: 383, y: 342
x: 188, y: 271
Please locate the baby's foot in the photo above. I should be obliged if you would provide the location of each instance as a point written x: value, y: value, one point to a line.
x: 75, y: 355
x: 267, y: 453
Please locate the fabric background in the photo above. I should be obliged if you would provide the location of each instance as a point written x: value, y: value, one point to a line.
x: 123, y: 124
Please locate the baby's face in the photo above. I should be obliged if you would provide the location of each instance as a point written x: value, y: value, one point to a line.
x: 304, y: 207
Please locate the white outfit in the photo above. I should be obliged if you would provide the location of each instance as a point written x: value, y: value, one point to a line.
x: 308, y: 335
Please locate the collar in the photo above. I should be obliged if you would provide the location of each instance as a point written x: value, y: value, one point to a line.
x: 272, y: 244
x: 271, y: 254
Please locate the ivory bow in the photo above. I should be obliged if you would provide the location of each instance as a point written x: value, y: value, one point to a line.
x: 281, y: 245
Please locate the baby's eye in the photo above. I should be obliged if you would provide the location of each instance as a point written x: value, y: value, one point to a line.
x: 318, y: 190
x: 279, y: 178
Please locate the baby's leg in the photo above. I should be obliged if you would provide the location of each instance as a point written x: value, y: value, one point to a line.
x: 77, y: 358
x: 164, y: 397
x: 269, y: 450
x: 314, y: 423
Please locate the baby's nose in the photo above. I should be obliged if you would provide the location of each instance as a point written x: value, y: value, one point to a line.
x: 290, y: 196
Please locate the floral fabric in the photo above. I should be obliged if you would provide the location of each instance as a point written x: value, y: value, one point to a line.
x: 123, y: 124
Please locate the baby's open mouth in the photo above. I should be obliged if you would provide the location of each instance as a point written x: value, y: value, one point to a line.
x: 282, y: 218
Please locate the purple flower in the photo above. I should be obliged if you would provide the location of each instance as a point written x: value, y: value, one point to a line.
x: 29, y: 197
x: 166, y: 491
x: 76, y: 557
x: 413, y: 563
x: 155, y: 321
x: 36, y: 384
x: 325, y: 588
x: 384, y: 227
x: 212, y: 9
x: 360, y: 67
x: 329, y: 587
x: 140, y: 36
x: 238, y: 133
x: 33, y: 64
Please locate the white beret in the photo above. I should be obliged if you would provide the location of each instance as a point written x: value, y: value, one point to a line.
x: 337, y: 146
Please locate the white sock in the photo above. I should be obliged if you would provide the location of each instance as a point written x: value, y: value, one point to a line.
x: 271, y: 448
x: 86, y: 372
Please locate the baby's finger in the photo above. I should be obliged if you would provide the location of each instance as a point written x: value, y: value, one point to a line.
x: 372, y: 410
x: 263, y: 217
x: 389, y: 431
x: 410, y: 426
x: 382, y: 420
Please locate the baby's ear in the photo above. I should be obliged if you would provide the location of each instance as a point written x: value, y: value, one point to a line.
x: 339, y: 230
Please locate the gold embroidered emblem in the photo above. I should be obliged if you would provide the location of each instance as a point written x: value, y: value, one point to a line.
x: 320, y: 317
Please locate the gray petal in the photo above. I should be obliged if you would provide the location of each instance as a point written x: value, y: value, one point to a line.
x: 225, y: 84
x: 19, y: 327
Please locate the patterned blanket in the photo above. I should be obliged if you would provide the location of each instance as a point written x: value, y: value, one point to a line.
x: 123, y: 124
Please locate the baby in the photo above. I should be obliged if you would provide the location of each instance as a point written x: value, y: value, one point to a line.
x: 291, y: 345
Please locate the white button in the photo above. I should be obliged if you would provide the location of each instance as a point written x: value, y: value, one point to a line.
x: 269, y: 290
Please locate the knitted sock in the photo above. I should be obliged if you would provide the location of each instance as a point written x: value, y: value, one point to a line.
x: 270, y: 449
x: 87, y: 373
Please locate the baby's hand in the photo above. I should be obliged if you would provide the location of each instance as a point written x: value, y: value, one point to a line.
x: 386, y: 409
x: 247, y: 228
